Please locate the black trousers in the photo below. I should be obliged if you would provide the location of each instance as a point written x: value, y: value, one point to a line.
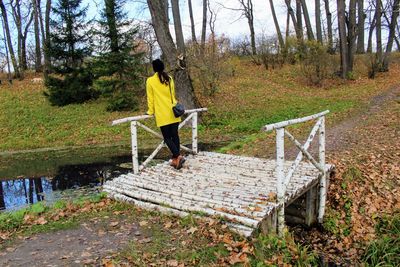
x: 171, y: 138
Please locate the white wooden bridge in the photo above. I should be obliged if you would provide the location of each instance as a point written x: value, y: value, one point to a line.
x: 250, y: 194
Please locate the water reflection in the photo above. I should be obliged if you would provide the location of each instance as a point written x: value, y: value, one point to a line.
x: 16, y: 193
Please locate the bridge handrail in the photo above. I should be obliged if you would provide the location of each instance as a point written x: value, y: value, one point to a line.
x: 283, y: 177
x: 134, y: 121
x: 145, y: 117
x: 283, y: 124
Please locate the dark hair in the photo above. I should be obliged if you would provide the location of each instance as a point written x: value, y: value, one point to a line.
x: 158, y: 66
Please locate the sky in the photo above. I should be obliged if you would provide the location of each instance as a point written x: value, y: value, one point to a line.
x: 229, y: 22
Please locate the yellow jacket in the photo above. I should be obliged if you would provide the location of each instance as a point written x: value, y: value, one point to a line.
x: 159, y: 101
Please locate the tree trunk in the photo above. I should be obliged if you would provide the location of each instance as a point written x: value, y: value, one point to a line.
x: 360, y: 28
x: 379, y: 56
x: 278, y: 30
x: 287, y: 26
x: 38, y: 52
x: 294, y: 21
x: 204, y: 28
x: 310, y: 34
x: 318, y: 20
x: 2, y: 202
x: 194, y: 39
x: 392, y: 33
x: 9, y: 42
x: 329, y: 26
x: 352, y: 33
x: 16, y: 12
x: 180, y: 42
x: 47, y: 61
x: 370, y: 32
x: 342, y: 38
x: 182, y: 79
x: 299, y: 18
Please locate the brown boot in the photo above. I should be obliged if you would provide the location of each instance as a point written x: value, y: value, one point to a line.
x: 180, y: 161
x: 175, y: 162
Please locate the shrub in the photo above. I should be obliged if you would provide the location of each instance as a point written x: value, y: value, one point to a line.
x: 209, y: 66
x: 316, y: 63
x: 72, y: 88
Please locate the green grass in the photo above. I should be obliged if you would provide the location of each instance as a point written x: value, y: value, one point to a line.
x: 385, y: 250
x: 252, y: 98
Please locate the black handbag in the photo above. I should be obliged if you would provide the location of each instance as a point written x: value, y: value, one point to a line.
x: 178, y: 109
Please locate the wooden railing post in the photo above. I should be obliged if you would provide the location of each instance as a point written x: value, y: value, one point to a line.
x: 135, y: 158
x: 194, y: 133
x: 280, y: 175
x: 322, y: 182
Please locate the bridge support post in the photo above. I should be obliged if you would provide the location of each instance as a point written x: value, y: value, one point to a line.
x: 280, y: 161
x: 322, y: 181
x: 194, y: 133
x: 135, y: 157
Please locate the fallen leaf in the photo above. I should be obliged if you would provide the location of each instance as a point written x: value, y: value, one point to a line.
x: 113, y: 224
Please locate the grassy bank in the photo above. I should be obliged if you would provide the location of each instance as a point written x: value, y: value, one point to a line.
x: 246, y: 101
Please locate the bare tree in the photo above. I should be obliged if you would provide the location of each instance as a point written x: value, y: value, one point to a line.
x: 352, y: 33
x: 378, y: 32
x: 310, y: 34
x: 38, y: 51
x: 204, y: 26
x: 22, y: 23
x: 292, y: 15
x: 194, y: 39
x: 247, y: 9
x: 278, y: 30
x: 392, y: 34
x: 299, y: 19
x: 184, y: 87
x: 318, y: 20
x: 370, y: 33
x: 343, y: 38
x: 45, y: 32
x: 8, y: 37
x: 180, y: 42
x: 329, y: 26
x: 360, y: 27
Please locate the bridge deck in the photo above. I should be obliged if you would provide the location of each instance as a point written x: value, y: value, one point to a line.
x: 240, y: 189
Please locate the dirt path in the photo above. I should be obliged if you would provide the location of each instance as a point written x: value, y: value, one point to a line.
x: 101, y: 237
x: 88, y: 244
x: 340, y: 136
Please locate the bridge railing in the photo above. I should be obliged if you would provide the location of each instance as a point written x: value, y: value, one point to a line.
x: 284, y: 180
x: 135, y: 123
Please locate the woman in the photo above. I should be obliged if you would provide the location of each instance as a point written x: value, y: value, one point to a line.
x: 160, y: 91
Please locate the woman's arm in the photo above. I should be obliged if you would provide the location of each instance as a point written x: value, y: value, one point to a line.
x: 150, y: 98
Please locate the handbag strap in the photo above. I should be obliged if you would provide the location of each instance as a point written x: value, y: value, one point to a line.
x: 170, y: 91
